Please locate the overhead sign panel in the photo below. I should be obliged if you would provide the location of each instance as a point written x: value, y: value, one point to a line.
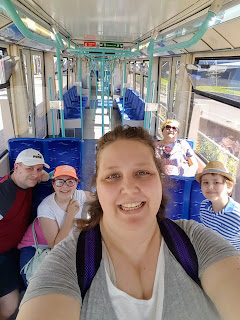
x: 90, y: 37
x: 111, y: 45
x: 91, y: 44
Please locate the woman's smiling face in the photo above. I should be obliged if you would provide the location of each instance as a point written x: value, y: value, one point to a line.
x: 128, y: 184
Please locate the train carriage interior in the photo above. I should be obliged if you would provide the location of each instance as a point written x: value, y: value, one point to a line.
x: 70, y: 71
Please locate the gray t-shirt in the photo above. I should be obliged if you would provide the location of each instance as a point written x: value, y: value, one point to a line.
x: 183, y: 298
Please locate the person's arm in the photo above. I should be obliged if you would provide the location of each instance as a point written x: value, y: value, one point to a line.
x: 53, y: 292
x: 50, y: 307
x: 50, y: 228
x: 192, y: 167
x: 89, y: 196
x: 221, y: 282
x: 44, y: 176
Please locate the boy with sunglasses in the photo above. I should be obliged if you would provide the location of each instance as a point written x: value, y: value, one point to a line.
x: 56, y: 214
x: 177, y: 157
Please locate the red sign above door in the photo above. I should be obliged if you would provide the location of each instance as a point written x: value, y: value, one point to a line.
x: 90, y: 44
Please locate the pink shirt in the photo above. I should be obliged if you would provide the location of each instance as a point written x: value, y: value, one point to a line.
x: 28, y: 240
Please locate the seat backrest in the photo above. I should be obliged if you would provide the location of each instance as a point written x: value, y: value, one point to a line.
x: 131, y: 97
x: 141, y: 107
x: 190, y: 142
x: 71, y: 94
x: 178, y: 191
x: 196, y: 197
x: 134, y: 106
x: 56, y: 151
x: 16, y: 145
x: 74, y: 91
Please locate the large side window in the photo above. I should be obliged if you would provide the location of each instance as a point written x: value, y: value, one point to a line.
x: 138, y: 78
x: 215, y: 121
x: 145, y: 79
x: 6, y: 125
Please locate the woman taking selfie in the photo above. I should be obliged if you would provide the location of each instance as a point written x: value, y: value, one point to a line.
x: 139, y: 277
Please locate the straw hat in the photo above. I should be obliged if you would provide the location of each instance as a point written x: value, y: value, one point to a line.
x: 215, y: 167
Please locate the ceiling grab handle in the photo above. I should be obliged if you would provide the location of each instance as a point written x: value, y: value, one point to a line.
x: 213, y: 11
x: 25, y: 31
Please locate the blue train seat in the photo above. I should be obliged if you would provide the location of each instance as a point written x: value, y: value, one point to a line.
x: 56, y: 151
x: 196, y: 197
x: 134, y: 107
x: 190, y: 142
x: 72, y: 105
x: 178, y: 192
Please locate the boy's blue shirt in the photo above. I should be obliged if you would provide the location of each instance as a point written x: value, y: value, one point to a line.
x: 226, y: 221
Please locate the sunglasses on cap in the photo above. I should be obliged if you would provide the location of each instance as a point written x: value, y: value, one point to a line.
x: 60, y: 182
x: 170, y: 127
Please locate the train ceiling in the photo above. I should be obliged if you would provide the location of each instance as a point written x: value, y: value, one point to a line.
x: 127, y: 21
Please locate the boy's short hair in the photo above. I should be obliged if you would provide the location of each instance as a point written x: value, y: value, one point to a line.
x: 216, y: 167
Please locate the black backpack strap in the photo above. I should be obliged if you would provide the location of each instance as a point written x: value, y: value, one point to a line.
x: 88, y: 257
x: 181, y: 247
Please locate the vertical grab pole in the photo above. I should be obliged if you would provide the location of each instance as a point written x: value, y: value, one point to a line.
x: 151, y: 45
x: 80, y: 90
x: 96, y: 95
x: 124, y: 89
x: 150, y: 120
x: 113, y: 86
x: 122, y: 83
x: 102, y: 77
x: 50, y: 95
x: 109, y: 108
x: 90, y: 82
x: 60, y: 90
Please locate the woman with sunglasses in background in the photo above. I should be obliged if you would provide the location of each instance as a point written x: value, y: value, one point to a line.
x: 55, y: 214
x: 177, y: 156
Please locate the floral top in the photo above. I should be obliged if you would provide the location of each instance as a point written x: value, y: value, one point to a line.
x: 174, y: 157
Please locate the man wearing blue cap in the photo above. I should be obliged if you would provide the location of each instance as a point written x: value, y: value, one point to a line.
x: 15, y: 207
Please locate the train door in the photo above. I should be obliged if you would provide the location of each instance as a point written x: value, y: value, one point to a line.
x: 26, y: 56
x: 34, y: 75
x: 168, y: 79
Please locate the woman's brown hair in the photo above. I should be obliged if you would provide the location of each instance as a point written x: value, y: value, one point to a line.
x: 119, y: 133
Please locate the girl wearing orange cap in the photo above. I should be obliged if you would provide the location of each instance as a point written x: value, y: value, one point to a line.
x: 58, y: 211
x: 56, y: 214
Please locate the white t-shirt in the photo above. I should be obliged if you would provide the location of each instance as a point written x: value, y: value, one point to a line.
x: 127, y: 307
x: 48, y: 208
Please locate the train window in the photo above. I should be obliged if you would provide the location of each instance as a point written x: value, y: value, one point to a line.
x: 219, y: 78
x: 56, y: 77
x: 138, y: 77
x: 145, y: 78
x: 38, y: 81
x: 130, y: 79
x: 138, y: 84
x: 25, y: 71
x: 3, y: 93
x: 176, y: 67
x: 6, y: 127
x: 168, y: 81
x: 5, y: 68
x: 215, y: 128
x: 65, y: 74
x: 71, y: 74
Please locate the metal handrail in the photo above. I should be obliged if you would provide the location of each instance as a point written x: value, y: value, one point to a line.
x: 58, y: 44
